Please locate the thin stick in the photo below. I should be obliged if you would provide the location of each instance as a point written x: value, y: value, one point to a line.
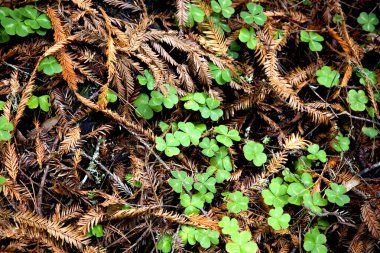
x: 41, y: 190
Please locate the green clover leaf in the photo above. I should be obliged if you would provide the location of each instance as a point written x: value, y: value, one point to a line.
x: 223, y: 27
x: 340, y: 143
x: 222, y: 160
x: 169, y: 145
x: 187, y: 234
x: 314, y: 241
x: 313, y: 39
x: 229, y: 226
x: 146, y: 79
x: 370, y: 132
x: 357, y: 100
x: 191, y: 132
x: 255, y: 14
x: 211, y: 110
x: 15, y: 26
x: 97, y: 231
x: 313, y: 202
x: 296, y: 191
x: 221, y: 76
x: 5, y: 128
x: 4, y: 37
x: 207, y: 236
x: 253, y: 151
x: 336, y: 194
x: 249, y: 37
x: 172, y: 98
x: 327, y: 77
x: 165, y: 243
x: 194, y: 100
x: 370, y: 75
x: 44, y: 102
x: 143, y: 108
x: 205, y: 182
x: 181, y: 179
x: 278, y: 219
x: 223, y: 6
x: 234, y: 49
x: 316, y: 154
x: 191, y: 204
x: 226, y: 136
x: 276, y: 194
x: 209, y: 147
x: 50, y: 66
x: 194, y: 14
x: 237, y: 202
x: 241, y: 243
x: 368, y: 21
x: 111, y: 96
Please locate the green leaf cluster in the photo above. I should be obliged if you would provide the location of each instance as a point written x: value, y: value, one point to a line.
x: 221, y: 76
x: 314, y: 241
x: 22, y: 22
x: 223, y: 6
x: 50, y: 66
x: 366, y: 73
x: 336, y: 194
x: 207, y: 106
x: 237, y: 202
x: 255, y: 14
x: 327, y: 77
x: 195, y: 13
x: 371, y: 132
x: 42, y: 101
x: 226, y: 136
x: 5, y: 128
x: 253, y: 151
x: 165, y: 243
x: 248, y: 37
x: 96, y: 231
x: 205, y: 237
x: 368, y: 21
x: 316, y: 154
x: 357, y: 100
x: 313, y: 39
x: 146, y: 79
x: 278, y: 219
x: 341, y: 143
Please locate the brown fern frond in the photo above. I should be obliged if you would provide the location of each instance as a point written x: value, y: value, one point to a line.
x: 83, y: 4
x: 122, y: 5
x: 182, y: 7
x: 68, y: 72
x: 40, y: 149
x: 90, y: 219
x: 214, y: 39
x: 11, y: 160
x: 59, y: 32
x: 371, y: 216
x: 70, y: 141
x: 121, y: 214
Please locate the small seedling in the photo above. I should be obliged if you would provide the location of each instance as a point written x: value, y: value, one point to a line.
x: 223, y: 6
x: 241, y: 243
x: 368, y: 21
x: 248, y: 37
x: 327, y: 77
x: 42, y: 101
x: 313, y: 39
x: 255, y: 14
x: 146, y: 79
x: 5, y: 128
x: 341, y: 143
x: 316, y: 153
x: 314, y: 241
x: 237, y: 202
x: 143, y: 108
x: 253, y: 151
x: 337, y: 19
x: 370, y: 75
x: 371, y: 132
x: 336, y: 194
x: 226, y: 136
x: 50, y: 66
x: 357, y: 100
x: 165, y: 243
x: 234, y: 49
x: 278, y: 219
x: 229, y: 226
x: 181, y: 180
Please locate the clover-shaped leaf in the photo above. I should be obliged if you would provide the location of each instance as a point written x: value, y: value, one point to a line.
x: 165, y: 243
x: 207, y: 236
x: 234, y: 49
x: 194, y: 100
x: 316, y: 153
x: 181, y: 179
x: 195, y: 13
x: 340, y: 143
x: 357, y: 100
x: 370, y: 75
x: 241, y: 243
x: 209, y: 147
x: 278, y: 219
x: 314, y: 241
x: 255, y: 14
x: 192, y: 204
x: 253, y: 151
x: 296, y: 191
x: 248, y: 36
x: 15, y: 26
x: 221, y: 76
x: 187, y: 234
x: 222, y: 160
x: 146, y: 79
x: 143, y: 109
x: 229, y: 226
x: 5, y: 128
x: 368, y: 21
x: 50, y: 66
x: 336, y: 194
x: 313, y: 39
x: 237, y: 202
x: 327, y: 77
x: 205, y: 182
x: 276, y: 194
x: 171, y: 99
x: 111, y: 96
x: 223, y: 27
x: 169, y: 145
x: 4, y: 12
x: 191, y: 131
x: 223, y: 6
x: 226, y: 136
x: 371, y: 132
x: 313, y: 202
x: 211, y: 109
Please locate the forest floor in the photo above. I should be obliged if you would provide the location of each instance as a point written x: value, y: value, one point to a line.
x: 189, y: 126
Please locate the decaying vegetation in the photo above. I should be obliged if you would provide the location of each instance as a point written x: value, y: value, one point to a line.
x: 89, y: 168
